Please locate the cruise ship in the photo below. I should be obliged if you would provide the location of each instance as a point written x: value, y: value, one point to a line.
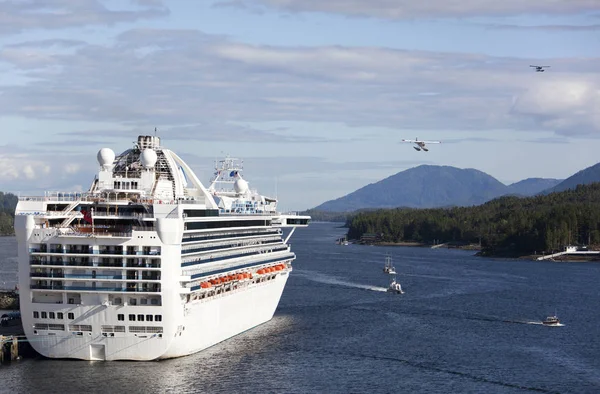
x: 149, y: 263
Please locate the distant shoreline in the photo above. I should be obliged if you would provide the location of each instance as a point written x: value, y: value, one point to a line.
x: 424, y: 245
x: 476, y: 247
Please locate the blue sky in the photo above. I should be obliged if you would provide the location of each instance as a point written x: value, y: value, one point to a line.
x: 315, y: 96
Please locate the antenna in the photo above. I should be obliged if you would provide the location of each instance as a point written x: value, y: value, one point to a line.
x: 155, y: 131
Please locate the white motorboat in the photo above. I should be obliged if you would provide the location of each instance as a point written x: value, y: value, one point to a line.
x: 395, y: 287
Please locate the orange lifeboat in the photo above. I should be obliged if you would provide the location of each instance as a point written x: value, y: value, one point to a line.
x: 240, y: 276
x: 260, y: 271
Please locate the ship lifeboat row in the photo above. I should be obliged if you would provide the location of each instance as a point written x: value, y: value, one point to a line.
x: 268, y: 270
x: 241, y: 276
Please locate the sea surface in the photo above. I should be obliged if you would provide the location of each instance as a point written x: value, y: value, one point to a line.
x: 465, y: 325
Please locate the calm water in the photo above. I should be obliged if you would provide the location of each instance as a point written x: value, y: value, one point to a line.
x: 336, y: 330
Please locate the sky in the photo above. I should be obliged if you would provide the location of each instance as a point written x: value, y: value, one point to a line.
x: 315, y: 96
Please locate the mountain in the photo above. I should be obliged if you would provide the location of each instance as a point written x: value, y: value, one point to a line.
x: 532, y: 186
x: 424, y: 186
x: 583, y: 177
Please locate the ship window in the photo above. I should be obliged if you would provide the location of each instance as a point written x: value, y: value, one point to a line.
x: 59, y: 315
x: 157, y: 317
x: 148, y: 317
x: 154, y: 301
x: 140, y: 317
x: 36, y: 315
x: 71, y: 315
x: 44, y: 315
x: 120, y: 317
x: 51, y: 315
x: 144, y: 301
x: 117, y: 301
x: 131, y: 317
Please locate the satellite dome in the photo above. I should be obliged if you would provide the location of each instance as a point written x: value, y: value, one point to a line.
x: 240, y: 185
x: 148, y: 158
x: 106, y: 157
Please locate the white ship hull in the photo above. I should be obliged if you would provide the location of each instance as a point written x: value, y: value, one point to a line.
x: 192, y: 328
x: 211, y: 322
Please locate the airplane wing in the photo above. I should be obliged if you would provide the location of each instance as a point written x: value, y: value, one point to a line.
x: 431, y: 142
x: 410, y: 141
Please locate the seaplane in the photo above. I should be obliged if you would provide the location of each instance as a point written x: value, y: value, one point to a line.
x: 539, y: 69
x: 420, y: 145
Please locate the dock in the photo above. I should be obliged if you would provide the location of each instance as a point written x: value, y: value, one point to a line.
x: 13, y: 343
x: 570, y: 251
x: 9, y: 348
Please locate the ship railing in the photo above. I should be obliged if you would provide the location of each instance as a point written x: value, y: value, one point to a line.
x: 101, y: 231
x: 132, y: 215
x: 46, y: 275
x: 87, y: 288
x: 91, y: 276
x: 106, y: 197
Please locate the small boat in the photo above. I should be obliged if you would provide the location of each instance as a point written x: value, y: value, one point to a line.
x: 551, y: 321
x: 395, y: 287
x: 388, y: 268
x: 342, y: 241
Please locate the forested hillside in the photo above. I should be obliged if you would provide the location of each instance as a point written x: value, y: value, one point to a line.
x: 504, y: 226
x: 8, y: 203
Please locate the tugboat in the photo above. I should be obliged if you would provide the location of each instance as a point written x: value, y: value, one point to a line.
x: 388, y: 268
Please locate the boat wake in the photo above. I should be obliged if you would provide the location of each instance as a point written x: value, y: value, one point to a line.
x: 321, y: 278
x: 539, y: 323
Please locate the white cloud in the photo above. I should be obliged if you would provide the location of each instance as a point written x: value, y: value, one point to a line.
x: 568, y: 105
x: 18, y: 16
x: 405, y: 9
x: 17, y: 166
x: 29, y: 170
x: 71, y: 168
x: 190, y: 77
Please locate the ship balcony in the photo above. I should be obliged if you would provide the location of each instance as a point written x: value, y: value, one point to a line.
x: 92, y: 289
x: 152, y: 277
x: 60, y: 264
x: 137, y: 253
x: 58, y: 252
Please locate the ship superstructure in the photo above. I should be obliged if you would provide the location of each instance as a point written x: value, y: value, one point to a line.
x: 148, y: 263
